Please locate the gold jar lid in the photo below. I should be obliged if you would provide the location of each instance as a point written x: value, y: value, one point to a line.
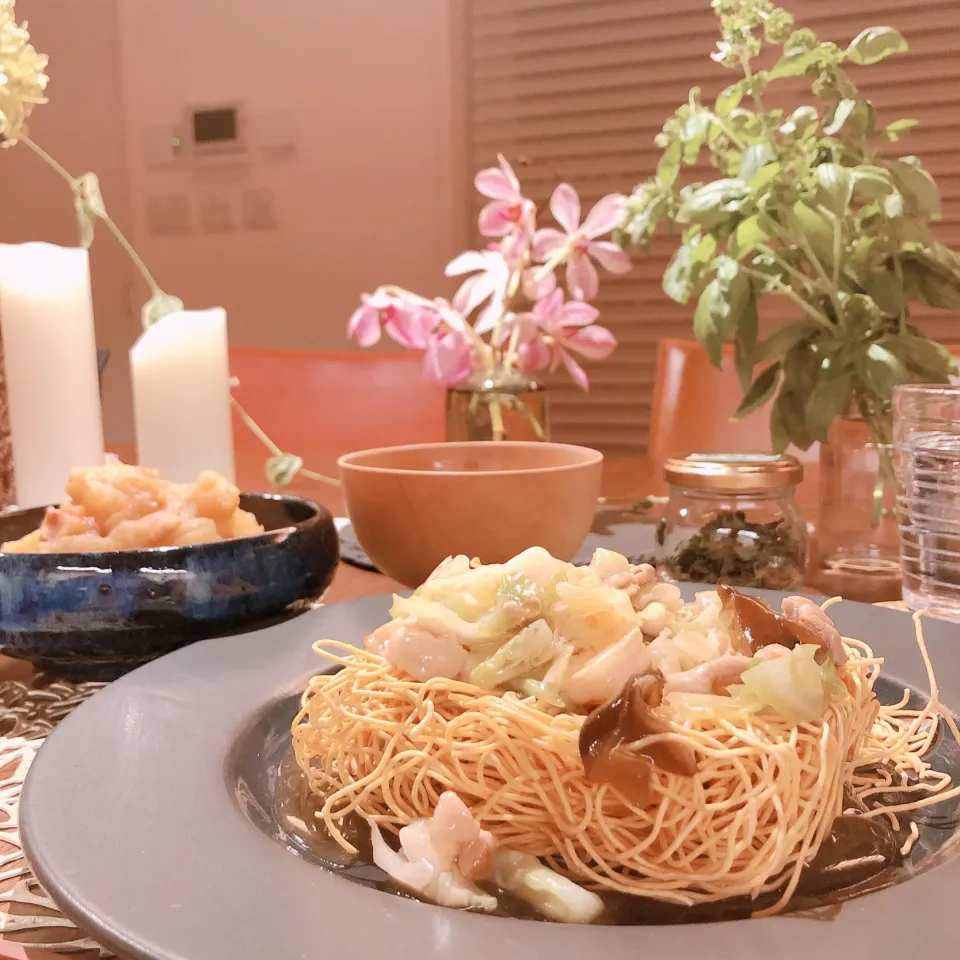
x: 736, y: 472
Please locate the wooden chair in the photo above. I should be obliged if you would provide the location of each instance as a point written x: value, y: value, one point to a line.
x: 693, y: 402
x: 323, y: 405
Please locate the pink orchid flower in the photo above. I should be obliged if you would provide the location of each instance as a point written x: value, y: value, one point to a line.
x: 408, y: 323
x: 553, y: 328
x: 577, y: 243
x: 448, y: 358
x: 491, y: 274
x: 508, y: 208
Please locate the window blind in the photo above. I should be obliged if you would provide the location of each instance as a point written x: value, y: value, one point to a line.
x: 578, y: 89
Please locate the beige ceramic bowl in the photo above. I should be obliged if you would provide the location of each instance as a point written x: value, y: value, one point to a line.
x: 412, y: 507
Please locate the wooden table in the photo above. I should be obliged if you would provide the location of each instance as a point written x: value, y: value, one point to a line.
x: 628, y: 478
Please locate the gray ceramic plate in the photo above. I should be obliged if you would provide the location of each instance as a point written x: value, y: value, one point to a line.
x: 140, y: 816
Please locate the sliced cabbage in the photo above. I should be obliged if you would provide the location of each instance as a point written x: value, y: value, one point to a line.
x: 437, y: 618
x: 608, y: 563
x: 687, y: 648
x: 521, y: 656
x: 517, y: 602
x: 547, y: 690
x: 591, y: 615
x: 538, y: 565
x: 796, y: 686
x: 549, y: 893
x: 468, y: 591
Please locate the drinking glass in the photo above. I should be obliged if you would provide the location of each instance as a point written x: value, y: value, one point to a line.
x: 926, y: 435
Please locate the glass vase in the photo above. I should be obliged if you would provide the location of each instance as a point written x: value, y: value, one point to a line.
x: 502, y: 405
x: 857, y: 543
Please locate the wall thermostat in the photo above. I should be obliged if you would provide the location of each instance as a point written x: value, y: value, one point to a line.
x: 216, y: 130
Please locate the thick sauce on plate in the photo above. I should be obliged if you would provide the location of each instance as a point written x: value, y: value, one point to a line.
x: 860, y: 856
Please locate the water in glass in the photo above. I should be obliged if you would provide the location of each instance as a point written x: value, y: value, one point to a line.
x: 927, y: 442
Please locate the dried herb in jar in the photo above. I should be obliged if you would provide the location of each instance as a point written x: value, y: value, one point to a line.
x: 731, y: 549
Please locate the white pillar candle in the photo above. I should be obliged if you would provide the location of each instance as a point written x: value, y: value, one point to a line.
x: 181, y: 395
x: 51, y: 367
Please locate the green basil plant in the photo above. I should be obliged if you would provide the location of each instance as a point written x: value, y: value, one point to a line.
x: 807, y: 204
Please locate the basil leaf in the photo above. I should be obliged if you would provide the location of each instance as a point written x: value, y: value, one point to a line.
x: 760, y: 391
x: 898, y: 128
x: 835, y: 187
x: 711, y: 304
x: 917, y: 186
x: 875, y: 44
x: 882, y: 371
x: 783, y: 339
x: 830, y: 399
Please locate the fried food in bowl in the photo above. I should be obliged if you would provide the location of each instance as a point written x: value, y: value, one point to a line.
x: 121, y: 507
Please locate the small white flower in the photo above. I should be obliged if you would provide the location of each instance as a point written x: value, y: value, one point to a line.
x: 22, y: 77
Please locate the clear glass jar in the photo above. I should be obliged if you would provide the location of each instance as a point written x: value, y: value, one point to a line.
x: 856, y: 543
x: 733, y: 518
x: 502, y: 405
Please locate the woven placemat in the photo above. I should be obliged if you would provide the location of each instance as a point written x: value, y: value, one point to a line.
x: 29, y: 710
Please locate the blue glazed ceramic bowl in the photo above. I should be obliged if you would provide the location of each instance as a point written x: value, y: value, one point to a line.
x: 95, y: 616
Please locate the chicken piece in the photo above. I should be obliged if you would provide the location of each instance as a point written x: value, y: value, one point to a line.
x: 215, y: 497
x: 115, y: 492
x: 806, y: 611
x: 153, y: 530
x: 195, y: 530
x: 31, y: 543
x: 69, y: 520
x: 245, y: 524
x: 667, y: 594
x: 716, y: 676
x: 79, y: 543
x: 614, y: 570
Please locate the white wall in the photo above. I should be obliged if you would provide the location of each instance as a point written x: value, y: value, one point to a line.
x: 82, y: 126
x: 367, y: 199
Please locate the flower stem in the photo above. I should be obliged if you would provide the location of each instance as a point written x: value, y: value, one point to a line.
x: 496, y: 418
x: 788, y: 291
x: 134, y: 256
x: 40, y: 152
x: 898, y: 269
x: 111, y: 226
x: 517, y: 404
x: 262, y: 436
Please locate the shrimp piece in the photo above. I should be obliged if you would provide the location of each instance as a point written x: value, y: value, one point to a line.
x: 440, y: 856
x: 715, y: 676
x: 457, y: 837
x: 805, y: 611
x: 417, y: 651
